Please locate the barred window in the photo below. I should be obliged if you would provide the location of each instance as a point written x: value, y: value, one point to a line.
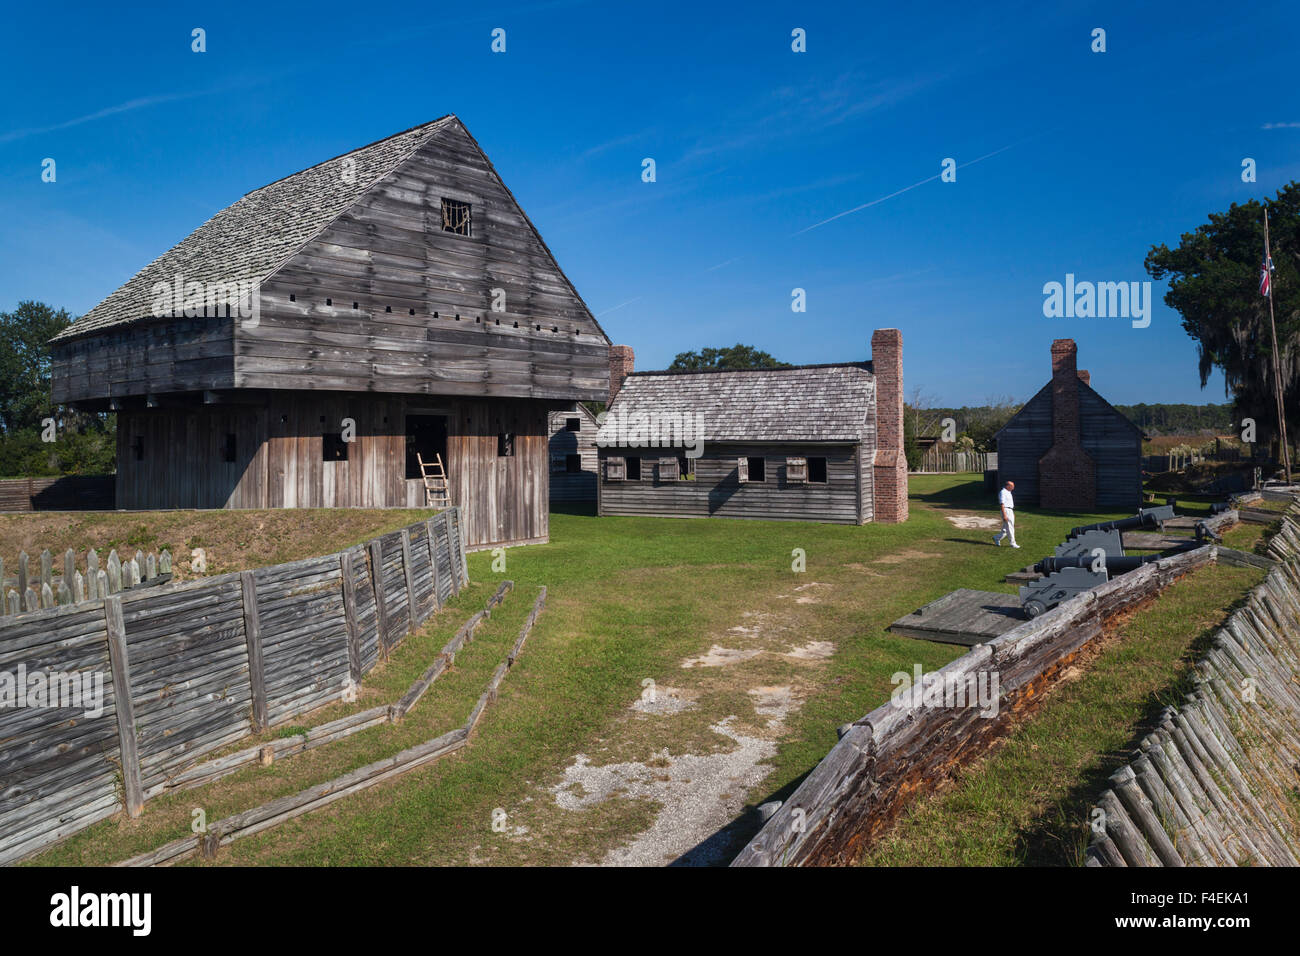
x: 455, y: 216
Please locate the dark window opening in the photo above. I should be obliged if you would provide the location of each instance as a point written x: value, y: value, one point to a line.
x: 757, y: 469
x: 505, y: 444
x: 137, y: 446
x: 228, y: 452
x: 455, y: 216
x: 426, y: 438
x: 685, y: 469
x: 817, y: 471
x: 634, y: 469
x: 573, y: 424
x: 333, y: 447
x: 572, y: 464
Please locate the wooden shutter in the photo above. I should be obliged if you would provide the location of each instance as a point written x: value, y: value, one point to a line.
x: 796, y: 471
x: 615, y: 469
x: 668, y: 470
x: 742, y: 468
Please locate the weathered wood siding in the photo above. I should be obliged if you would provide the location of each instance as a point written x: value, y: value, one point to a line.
x: 153, y: 357
x: 280, y: 459
x: 424, y: 319
x: 1113, y: 443
x: 566, y: 485
x: 718, y: 492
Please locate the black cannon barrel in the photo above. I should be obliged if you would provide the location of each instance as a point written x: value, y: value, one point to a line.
x: 1115, y: 565
x: 1147, y: 518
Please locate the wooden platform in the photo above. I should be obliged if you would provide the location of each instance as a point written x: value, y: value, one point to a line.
x: 963, y: 617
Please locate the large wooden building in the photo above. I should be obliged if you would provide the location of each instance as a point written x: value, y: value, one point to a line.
x: 303, y: 345
x: 807, y: 443
x: 1068, y: 448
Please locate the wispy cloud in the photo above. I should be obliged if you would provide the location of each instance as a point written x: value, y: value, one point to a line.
x: 129, y: 106
x: 721, y: 265
x: 1281, y: 126
x: 899, y: 192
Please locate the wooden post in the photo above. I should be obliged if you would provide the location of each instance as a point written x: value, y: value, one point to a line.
x: 124, y: 706
x: 410, y: 579
x: 431, y: 539
x: 377, y: 582
x: 350, y: 615
x: 253, y: 635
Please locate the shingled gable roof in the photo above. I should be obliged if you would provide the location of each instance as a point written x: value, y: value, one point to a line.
x: 805, y: 403
x: 1084, y: 387
x: 252, y: 238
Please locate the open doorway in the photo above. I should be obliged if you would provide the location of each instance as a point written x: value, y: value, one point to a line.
x: 426, y: 436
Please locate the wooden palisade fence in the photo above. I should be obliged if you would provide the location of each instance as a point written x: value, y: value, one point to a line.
x: 1215, y: 783
x: 190, y: 667
x: 28, y: 591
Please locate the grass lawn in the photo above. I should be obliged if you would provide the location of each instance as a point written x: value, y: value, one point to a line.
x: 753, y: 664
x: 232, y: 540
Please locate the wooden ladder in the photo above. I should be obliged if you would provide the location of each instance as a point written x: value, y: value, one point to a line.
x: 435, y: 482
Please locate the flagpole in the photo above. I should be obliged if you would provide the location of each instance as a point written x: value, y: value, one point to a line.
x: 1277, y: 359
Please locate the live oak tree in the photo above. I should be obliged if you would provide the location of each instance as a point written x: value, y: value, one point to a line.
x: 737, y: 357
x: 1214, y: 275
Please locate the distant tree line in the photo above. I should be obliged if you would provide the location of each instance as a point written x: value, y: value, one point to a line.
x: 1179, y: 419
x: 83, y: 443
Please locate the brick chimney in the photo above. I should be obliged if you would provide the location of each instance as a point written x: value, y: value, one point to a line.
x: 620, y: 367
x: 1084, y: 377
x: 1067, y: 475
x: 889, y: 473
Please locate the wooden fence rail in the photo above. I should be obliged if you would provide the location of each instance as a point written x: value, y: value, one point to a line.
x: 185, y: 668
x: 901, y: 750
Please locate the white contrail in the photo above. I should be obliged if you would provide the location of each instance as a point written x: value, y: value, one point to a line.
x: 899, y: 192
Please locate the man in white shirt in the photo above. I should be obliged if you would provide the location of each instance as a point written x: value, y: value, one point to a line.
x: 1008, y: 516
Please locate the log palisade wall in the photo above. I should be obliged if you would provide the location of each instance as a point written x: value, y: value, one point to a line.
x: 1215, y: 783
x: 175, y: 458
x: 194, y: 666
x: 895, y: 753
x: 844, y: 498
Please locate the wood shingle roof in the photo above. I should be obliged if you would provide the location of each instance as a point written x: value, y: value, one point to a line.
x: 808, y: 403
x: 250, y: 239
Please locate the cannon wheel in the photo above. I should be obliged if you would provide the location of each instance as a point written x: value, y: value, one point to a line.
x: 1034, y: 608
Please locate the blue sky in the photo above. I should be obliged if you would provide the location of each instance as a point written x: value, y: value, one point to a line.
x: 1084, y: 159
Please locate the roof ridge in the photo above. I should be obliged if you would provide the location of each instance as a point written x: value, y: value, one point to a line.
x: 865, y: 365
x: 383, y: 139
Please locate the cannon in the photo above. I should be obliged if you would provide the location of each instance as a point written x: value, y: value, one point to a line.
x: 1146, y: 518
x: 1114, y: 564
x: 1108, y: 542
x: 1045, y: 593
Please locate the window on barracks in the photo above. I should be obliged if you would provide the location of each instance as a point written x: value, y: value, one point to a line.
x: 634, y: 469
x: 573, y: 464
x: 757, y: 469
x: 455, y: 216
x: 817, y: 471
x: 573, y: 424
x: 426, y: 440
x: 505, y: 444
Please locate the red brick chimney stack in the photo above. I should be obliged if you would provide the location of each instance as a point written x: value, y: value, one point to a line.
x: 890, y: 470
x: 1084, y: 377
x: 620, y: 367
x: 1067, y: 475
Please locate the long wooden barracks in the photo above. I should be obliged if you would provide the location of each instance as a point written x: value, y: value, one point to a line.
x: 806, y: 443
x: 301, y: 347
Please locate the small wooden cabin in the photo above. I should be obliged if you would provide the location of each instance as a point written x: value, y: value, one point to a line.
x: 808, y: 443
x: 300, y: 348
x: 573, y: 455
x: 1068, y: 448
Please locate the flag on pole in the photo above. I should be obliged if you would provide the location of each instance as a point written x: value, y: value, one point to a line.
x: 1265, y: 270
